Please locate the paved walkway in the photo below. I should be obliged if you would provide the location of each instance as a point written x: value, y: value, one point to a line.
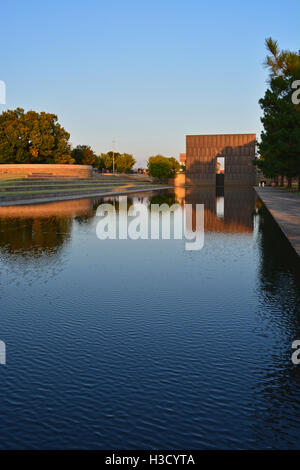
x: 285, y: 208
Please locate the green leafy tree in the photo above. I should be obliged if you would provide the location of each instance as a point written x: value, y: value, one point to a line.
x: 175, y: 165
x: 124, y: 162
x: 280, y: 140
x: 33, y: 138
x: 99, y: 162
x: 83, y: 155
x: 108, y: 159
x: 159, y: 167
x: 163, y: 167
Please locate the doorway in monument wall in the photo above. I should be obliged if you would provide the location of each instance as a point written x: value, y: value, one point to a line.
x: 220, y: 171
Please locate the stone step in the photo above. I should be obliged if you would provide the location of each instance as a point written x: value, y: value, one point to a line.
x: 54, y: 181
x: 80, y: 194
x: 68, y: 187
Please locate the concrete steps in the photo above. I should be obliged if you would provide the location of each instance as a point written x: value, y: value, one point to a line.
x: 61, y: 188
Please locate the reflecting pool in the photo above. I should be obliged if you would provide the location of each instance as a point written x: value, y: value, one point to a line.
x: 127, y: 344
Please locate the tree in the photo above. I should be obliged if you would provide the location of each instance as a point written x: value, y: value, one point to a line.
x: 280, y: 139
x: 175, y: 165
x: 108, y: 159
x: 124, y: 162
x: 99, y: 162
x: 163, y: 167
x: 33, y: 138
x: 83, y: 155
x: 281, y: 63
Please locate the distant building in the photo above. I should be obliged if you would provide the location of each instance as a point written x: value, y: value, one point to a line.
x: 182, y: 158
x: 220, y: 170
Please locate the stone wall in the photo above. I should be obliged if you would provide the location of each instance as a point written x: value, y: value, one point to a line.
x: 47, y: 171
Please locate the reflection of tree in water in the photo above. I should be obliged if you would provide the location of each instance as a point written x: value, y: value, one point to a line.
x: 161, y: 198
x: 114, y: 202
x: 33, y: 237
x: 89, y: 217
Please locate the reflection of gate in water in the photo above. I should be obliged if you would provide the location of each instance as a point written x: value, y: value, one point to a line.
x: 224, y: 211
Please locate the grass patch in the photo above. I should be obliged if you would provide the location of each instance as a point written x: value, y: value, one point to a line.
x: 11, y: 178
x: 8, y: 183
x: 69, y: 185
x: 73, y: 190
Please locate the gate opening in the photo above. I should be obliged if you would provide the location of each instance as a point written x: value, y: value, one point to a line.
x: 220, y: 171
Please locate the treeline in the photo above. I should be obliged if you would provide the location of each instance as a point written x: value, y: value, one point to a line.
x: 34, y: 137
x: 120, y: 162
x: 279, y: 147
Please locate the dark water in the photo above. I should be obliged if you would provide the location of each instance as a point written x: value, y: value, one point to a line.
x: 142, y: 344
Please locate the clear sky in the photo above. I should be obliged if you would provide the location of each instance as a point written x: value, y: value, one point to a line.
x: 142, y: 73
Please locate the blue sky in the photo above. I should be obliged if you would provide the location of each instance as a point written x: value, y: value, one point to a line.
x: 144, y: 73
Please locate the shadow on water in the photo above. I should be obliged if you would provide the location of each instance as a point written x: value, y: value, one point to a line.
x: 278, y: 325
x: 277, y: 255
x: 279, y: 270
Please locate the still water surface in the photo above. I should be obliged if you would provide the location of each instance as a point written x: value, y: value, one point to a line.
x: 142, y: 344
